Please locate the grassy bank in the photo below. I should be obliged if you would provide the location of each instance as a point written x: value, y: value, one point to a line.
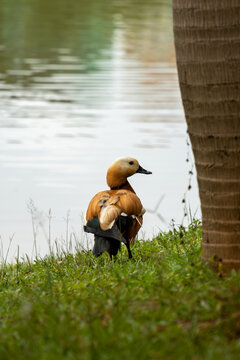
x: 164, y: 304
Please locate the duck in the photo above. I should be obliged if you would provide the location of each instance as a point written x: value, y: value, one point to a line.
x: 115, y: 216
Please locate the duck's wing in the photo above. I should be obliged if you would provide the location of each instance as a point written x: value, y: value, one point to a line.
x: 94, y: 206
x: 121, y: 202
x: 97, y: 210
x: 109, y: 205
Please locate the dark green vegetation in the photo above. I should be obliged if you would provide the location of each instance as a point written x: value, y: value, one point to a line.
x: 164, y: 304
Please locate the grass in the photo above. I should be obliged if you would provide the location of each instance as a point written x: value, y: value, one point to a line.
x: 164, y: 304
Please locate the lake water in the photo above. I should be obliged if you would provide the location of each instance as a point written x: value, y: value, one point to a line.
x: 83, y: 83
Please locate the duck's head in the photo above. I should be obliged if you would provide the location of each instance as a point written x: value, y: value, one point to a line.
x: 121, y: 169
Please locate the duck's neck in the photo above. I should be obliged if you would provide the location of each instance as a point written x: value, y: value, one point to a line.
x: 115, y: 182
x: 124, y: 186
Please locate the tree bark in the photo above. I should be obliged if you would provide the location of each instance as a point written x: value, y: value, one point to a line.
x: 207, y: 43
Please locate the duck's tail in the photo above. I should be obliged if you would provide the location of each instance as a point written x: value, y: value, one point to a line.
x: 102, y: 244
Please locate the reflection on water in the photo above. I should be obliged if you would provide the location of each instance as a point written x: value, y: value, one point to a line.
x: 81, y: 84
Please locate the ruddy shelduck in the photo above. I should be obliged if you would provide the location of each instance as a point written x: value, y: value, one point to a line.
x: 116, y: 215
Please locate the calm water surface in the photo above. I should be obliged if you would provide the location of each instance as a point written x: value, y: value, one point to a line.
x: 82, y: 83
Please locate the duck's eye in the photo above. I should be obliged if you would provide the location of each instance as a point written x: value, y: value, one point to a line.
x: 131, y: 162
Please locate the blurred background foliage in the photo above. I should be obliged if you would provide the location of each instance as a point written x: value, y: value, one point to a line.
x: 37, y: 28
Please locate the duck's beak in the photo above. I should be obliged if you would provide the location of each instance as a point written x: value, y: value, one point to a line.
x: 143, y: 171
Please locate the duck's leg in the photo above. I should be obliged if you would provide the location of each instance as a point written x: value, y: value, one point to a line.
x: 129, y: 250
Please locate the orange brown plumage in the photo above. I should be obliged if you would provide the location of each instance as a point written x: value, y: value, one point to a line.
x: 115, y: 215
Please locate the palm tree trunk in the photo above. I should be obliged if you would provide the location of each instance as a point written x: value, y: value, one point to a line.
x: 207, y: 42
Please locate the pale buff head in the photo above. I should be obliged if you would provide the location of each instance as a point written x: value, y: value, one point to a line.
x: 121, y: 169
